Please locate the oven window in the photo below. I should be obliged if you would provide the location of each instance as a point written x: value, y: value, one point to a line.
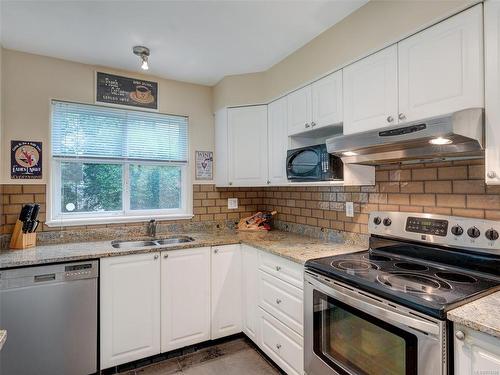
x: 304, y: 163
x: 353, y: 342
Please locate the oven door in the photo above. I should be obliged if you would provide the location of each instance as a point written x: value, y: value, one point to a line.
x: 304, y: 164
x: 348, y: 332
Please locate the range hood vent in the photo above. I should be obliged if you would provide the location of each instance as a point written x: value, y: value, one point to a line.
x: 456, y: 135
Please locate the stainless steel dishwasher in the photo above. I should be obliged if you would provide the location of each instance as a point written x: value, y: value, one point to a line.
x: 50, y: 314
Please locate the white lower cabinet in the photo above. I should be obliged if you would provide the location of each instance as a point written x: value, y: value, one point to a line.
x: 185, y: 297
x: 226, y: 290
x: 129, y: 308
x: 281, y: 344
x: 250, y: 291
x: 475, y: 352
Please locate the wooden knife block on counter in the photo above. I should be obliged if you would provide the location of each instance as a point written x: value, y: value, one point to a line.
x: 20, y: 240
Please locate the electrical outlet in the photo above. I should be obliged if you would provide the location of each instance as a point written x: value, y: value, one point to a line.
x: 232, y: 203
x: 349, y: 209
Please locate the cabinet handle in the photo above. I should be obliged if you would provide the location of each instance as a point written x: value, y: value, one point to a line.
x: 313, y: 124
x: 278, y: 346
x: 307, y: 125
x: 165, y: 256
x: 402, y: 116
x: 230, y: 183
x: 278, y: 268
x: 390, y: 119
x: 278, y: 301
x: 268, y: 182
x: 491, y: 174
x: 460, y: 335
x: 155, y: 257
x: 216, y: 251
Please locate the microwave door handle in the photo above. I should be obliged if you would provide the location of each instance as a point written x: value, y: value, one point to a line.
x: 381, y: 313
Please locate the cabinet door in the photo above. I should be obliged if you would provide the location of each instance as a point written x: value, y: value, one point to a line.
x: 492, y: 102
x: 371, y: 92
x: 299, y: 110
x: 441, y: 68
x: 327, y: 101
x: 185, y: 297
x: 278, y: 141
x: 476, y: 352
x: 250, y: 264
x: 129, y: 308
x: 221, y: 148
x: 226, y: 290
x: 247, y: 139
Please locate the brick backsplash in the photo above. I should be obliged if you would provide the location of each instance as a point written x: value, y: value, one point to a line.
x: 450, y: 188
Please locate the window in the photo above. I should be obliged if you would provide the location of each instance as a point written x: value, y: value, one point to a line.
x: 117, y: 165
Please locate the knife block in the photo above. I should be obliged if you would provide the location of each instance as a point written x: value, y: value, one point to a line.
x: 20, y: 240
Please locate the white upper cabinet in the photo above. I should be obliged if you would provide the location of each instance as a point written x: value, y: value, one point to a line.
x: 299, y: 110
x: 226, y: 291
x: 129, y: 308
x: 277, y: 140
x: 221, y: 148
x: 247, y: 145
x: 247, y: 139
x: 327, y: 105
x: 185, y: 297
x: 316, y: 105
x: 441, y: 68
x: 492, y: 100
x: 371, y: 92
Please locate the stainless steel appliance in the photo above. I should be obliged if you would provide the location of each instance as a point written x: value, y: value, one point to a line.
x: 313, y: 163
x: 459, y: 134
x: 50, y: 314
x: 383, y: 310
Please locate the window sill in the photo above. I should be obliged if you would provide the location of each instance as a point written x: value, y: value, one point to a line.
x: 69, y: 222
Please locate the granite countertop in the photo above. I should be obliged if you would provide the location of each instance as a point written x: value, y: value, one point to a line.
x: 292, y: 246
x: 3, y: 337
x: 481, y: 315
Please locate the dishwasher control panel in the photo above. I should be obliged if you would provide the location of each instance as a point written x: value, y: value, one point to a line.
x: 80, y: 271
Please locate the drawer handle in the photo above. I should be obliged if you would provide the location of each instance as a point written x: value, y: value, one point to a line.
x: 278, y: 346
x: 278, y: 268
x: 156, y: 257
x: 42, y: 278
x: 460, y: 335
x: 216, y: 251
x: 278, y: 301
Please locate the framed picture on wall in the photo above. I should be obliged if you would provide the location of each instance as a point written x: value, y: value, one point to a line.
x: 204, y: 165
x: 25, y: 160
x: 116, y: 90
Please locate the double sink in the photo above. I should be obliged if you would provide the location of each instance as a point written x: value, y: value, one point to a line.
x: 124, y: 244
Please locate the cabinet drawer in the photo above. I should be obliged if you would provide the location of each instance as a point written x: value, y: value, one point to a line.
x: 281, y: 344
x: 283, y: 269
x: 282, y: 300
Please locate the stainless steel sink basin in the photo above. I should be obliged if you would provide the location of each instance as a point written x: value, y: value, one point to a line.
x: 117, y: 244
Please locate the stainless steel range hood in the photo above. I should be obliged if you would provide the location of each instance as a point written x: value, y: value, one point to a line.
x: 462, y: 131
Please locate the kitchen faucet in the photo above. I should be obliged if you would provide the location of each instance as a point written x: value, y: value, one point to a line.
x: 152, y: 228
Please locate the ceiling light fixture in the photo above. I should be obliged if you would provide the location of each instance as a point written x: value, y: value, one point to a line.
x: 349, y: 153
x: 143, y: 53
x: 440, y: 141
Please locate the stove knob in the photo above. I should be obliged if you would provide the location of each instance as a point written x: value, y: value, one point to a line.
x: 377, y: 220
x: 457, y: 230
x: 491, y: 234
x: 473, y: 232
x: 387, y: 221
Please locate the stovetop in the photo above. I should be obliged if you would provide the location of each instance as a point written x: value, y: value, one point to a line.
x: 430, y: 278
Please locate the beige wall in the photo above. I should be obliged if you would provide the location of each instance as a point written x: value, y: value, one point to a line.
x: 31, y: 81
x: 371, y: 27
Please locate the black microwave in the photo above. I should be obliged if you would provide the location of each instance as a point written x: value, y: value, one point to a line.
x: 313, y: 163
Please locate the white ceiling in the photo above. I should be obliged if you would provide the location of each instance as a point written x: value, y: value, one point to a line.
x: 193, y: 41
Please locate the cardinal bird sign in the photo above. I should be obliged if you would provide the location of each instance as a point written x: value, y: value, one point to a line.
x: 204, y: 165
x: 26, y: 159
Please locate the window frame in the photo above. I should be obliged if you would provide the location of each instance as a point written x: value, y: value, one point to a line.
x: 58, y: 218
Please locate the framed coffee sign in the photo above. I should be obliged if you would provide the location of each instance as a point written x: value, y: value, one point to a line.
x: 125, y: 91
x: 25, y: 159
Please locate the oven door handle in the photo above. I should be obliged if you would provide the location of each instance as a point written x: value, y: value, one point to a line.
x: 379, y: 312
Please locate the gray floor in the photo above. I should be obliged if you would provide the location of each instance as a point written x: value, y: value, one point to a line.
x: 234, y: 357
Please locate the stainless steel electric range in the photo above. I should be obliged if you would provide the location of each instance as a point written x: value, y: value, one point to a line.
x: 383, y: 311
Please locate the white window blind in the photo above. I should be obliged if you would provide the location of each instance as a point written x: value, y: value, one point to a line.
x: 89, y: 131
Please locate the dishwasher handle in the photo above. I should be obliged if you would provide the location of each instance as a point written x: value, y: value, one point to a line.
x: 43, y: 278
